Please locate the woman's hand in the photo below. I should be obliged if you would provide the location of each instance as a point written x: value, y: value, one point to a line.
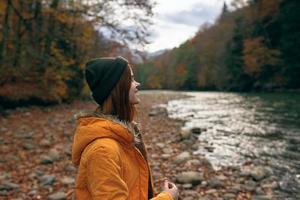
x: 171, y: 189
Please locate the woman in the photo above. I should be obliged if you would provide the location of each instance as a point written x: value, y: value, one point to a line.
x: 108, y: 148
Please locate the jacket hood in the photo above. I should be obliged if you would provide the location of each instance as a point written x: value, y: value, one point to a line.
x: 94, y: 126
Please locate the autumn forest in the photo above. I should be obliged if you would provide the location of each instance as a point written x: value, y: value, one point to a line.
x: 44, y: 45
x: 254, y: 47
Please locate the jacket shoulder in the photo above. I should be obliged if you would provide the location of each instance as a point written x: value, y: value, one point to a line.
x: 103, y: 146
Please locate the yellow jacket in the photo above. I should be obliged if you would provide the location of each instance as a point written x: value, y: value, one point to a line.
x: 110, y: 167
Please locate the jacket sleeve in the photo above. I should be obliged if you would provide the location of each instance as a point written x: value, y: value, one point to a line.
x: 163, y: 196
x: 104, y: 180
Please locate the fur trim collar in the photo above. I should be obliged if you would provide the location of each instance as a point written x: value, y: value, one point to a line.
x: 131, y: 127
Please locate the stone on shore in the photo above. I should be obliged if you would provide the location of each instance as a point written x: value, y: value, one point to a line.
x: 182, y: 157
x: 259, y: 197
x: 67, y: 180
x: 216, y: 183
x: 58, y: 196
x: 158, y: 110
x: 7, y: 185
x: 47, y: 180
x: 197, y: 130
x: 185, y: 133
x: 259, y: 173
x: 191, y: 177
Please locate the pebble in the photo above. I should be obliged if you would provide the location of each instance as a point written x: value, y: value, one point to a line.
x: 193, y: 162
x: 197, y: 130
x: 7, y: 185
x: 28, y: 146
x: 58, y: 196
x: 45, y: 143
x: 188, y: 198
x: 67, y: 180
x: 261, y: 197
x: 165, y: 156
x: 187, y: 186
x: 259, y: 173
x: 204, y: 184
x: 229, y: 196
x: 33, y: 192
x: 54, y: 154
x: 204, y: 161
x: 209, y: 148
x: 182, y: 157
x: 191, y: 177
x: 167, y: 150
x: 45, y: 159
x: 259, y: 191
x: 249, y: 186
x: 211, y: 191
x: 273, y: 185
x: 191, y: 193
x: 158, y: 110
x: 216, y: 183
x: 71, y: 168
x: 185, y: 134
x: 161, y: 145
x: 236, y: 188
x: 47, y: 180
x: 4, y: 175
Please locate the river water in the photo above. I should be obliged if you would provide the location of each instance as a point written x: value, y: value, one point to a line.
x: 239, y: 127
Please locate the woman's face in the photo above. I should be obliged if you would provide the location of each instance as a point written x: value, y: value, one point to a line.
x: 133, y: 99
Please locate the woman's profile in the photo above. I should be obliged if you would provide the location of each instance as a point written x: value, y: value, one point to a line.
x: 108, y: 148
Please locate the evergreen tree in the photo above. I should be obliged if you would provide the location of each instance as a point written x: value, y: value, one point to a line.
x: 237, y: 79
x: 290, y: 41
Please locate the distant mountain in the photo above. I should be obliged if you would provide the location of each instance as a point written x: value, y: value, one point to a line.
x: 155, y: 54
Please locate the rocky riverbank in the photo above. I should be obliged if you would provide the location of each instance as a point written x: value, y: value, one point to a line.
x: 35, y: 147
x: 172, y: 151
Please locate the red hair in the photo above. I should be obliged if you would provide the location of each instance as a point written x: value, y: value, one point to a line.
x: 117, y: 103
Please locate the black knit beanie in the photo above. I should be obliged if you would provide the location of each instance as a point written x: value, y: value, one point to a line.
x: 102, y: 74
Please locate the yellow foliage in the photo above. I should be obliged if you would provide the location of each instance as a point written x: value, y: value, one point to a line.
x: 60, y: 57
x: 54, y: 84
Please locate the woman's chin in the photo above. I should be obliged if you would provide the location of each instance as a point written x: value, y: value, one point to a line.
x: 136, y: 101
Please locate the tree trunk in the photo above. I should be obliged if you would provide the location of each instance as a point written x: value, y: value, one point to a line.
x: 17, y: 39
x: 5, y: 32
x: 49, y: 37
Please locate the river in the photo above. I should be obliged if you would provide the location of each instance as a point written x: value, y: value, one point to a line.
x: 263, y: 128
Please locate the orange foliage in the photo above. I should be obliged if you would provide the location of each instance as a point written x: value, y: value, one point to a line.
x: 257, y: 55
x: 181, y: 70
x: 268, y: 7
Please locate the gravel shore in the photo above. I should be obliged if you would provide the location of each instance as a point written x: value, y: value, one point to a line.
x: 35, y: 162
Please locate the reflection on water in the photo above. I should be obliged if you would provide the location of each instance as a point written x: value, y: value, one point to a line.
x: 263, y: 128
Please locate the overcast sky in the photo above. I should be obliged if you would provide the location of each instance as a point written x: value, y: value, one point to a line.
x: 175, y: 21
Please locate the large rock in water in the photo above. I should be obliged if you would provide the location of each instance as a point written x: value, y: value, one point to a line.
x: 192, y: 177
x: 185, y: 133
